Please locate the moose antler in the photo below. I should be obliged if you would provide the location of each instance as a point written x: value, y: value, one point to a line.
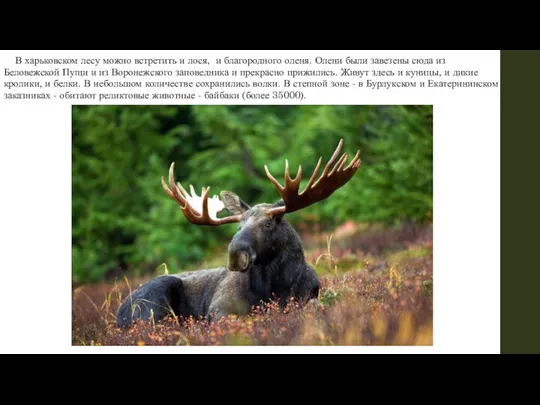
x: 197, y: 210
x: 330, y: 180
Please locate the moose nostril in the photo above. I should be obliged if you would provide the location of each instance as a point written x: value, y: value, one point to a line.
x: 238, y: 261
x: 243, y: 261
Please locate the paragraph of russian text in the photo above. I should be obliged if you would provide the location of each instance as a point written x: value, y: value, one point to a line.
x: 223, y: 79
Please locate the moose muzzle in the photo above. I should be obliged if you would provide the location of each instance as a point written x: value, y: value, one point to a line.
x: 241, y: 255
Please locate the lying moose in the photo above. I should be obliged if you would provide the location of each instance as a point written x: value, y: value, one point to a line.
x: 266, y: 258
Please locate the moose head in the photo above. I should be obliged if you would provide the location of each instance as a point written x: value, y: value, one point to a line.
x: 262, y: 232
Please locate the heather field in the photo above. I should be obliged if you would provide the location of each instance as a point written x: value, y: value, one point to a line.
x: 377, y: 289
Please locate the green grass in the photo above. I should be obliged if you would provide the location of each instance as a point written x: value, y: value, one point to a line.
x: 383, y: 298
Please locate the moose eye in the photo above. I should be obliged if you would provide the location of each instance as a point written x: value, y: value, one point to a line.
x: 268, y: 224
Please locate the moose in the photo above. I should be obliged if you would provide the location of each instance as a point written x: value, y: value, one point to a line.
x: 266, y: 259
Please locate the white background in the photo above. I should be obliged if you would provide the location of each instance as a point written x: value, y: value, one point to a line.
x: 35, y: 211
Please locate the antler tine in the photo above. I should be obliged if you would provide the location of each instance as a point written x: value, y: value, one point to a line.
x: 356, y: 159
x: 179, y: 191
x: 332, y: 178
x: 313, y: 176
x: 330, y: 162
x: 273, y: 179
x: 334, y: 156
x: 175, y: 193
x: 166, y: 188
x: 336, y: 153
x: 196, y: 216
x: 339, y: 164
x: 205, y: 194
x: 290, y: 183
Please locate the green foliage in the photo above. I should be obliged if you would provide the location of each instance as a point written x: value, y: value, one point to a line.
x: 122, y: 218
x: 427, y: 287
x: 329, y: 298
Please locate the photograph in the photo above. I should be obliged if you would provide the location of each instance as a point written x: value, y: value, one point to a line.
x: 252, y: 225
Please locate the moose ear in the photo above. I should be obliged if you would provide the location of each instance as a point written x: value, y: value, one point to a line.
x: 233, y: 203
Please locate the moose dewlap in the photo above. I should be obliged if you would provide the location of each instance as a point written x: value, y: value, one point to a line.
x: 266, y: 257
